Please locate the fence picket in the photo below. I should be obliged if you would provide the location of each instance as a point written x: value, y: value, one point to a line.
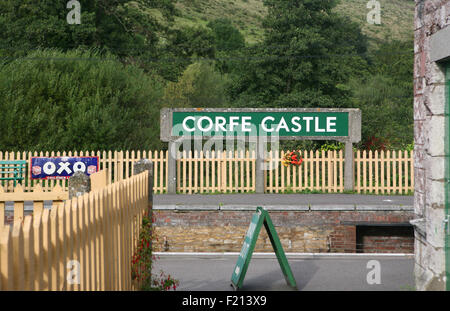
x: 28, y: 254
x: 388, y: 172
x: 38, y: 251
x: 46, y: 250
x: 6, y: 259
x: 18, y: 257
x: 54, y: 245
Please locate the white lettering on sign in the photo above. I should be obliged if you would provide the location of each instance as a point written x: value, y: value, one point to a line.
x: 330, y: 124
x: 49, y: 168
x: 233, y: 122
x: 264, y: 126
x: 79, y: 167
x: 220, y: 122
x: 246, y: 123
x: 268, y: 124
x: 283, y: 125
x: 185, y: 124
x: 319, y: 130
x: 64, y: 166
x: 297, y: 125
x: 308, y: 122
x: 208, y: 127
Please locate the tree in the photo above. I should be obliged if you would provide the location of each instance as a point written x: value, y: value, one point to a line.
x: 308, y: 54
x: 227, y: 37
x: 199, y: 86
x: 182, y: 47
x: 76, y: 100
x: 122, y: 27
x: 385, y: 96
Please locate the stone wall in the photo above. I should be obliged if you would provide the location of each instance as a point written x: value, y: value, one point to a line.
x: 431, y: 17
x: 299, y: 231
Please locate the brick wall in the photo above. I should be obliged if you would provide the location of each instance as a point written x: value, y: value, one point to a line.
x: 299, y: 231
x: 386, y: 239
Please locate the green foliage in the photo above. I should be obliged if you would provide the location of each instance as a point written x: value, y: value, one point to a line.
x: 183, y: 45
x: 385, y: 97
x: 409, y: 147
x: 332, y: 146
x: 227, y: 37
x: 53, y: 100
x: 199, y: 86
x: 121, y: 27
x: 307, y: 57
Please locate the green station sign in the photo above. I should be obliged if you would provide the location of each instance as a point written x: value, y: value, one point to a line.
x: 261, y: 217
x: 309, y: 124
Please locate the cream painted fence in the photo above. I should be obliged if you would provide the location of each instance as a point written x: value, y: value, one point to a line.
x: 98, y: 230
x: 384, y: 172
x: 211, y: 172
x: 118, y: 164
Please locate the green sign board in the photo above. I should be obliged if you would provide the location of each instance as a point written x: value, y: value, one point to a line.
x: 259, y: 218
x: 201, y: 123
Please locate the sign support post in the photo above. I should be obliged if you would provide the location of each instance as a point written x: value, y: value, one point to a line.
x: 259, y: 171
x: 349, y: 176
x: 172, y: 168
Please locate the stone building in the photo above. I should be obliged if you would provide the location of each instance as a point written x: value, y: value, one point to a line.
x: 431, y: 163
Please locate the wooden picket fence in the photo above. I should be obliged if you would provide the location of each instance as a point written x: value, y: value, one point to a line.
x: 320, y: 171
x: 225, y: 171
x: 210, y: 172
x: 118, y: 164
x: 384, y: 172
x: 97, y: 232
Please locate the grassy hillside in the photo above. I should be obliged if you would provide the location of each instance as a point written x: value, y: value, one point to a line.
x: 396, y: 16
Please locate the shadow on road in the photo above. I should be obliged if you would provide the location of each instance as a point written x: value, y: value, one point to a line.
x: 258, y: 279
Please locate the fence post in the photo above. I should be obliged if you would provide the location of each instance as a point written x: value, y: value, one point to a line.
x: 171, y: 168
x: 260, y: 165
x: 142, y: 166
x: 349, y: 176
x: 79, y: 184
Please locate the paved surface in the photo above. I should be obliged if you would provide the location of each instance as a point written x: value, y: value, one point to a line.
x: 319, y: 273
x: 282, y: 199
x: 164, y: 200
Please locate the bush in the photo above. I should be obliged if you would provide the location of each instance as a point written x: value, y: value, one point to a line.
x: 199, y: 86
x: 54, y: 100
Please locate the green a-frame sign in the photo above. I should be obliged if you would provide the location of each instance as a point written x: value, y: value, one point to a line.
x: 259, y: 218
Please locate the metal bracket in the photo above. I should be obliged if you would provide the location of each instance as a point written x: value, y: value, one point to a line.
x: 446, y: 224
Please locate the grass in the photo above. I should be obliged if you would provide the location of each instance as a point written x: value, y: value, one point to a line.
x: 397, y: 16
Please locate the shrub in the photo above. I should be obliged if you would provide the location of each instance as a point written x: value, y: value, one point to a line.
x: 54, y: 100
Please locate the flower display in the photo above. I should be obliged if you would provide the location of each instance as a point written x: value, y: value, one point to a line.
x: 143, y: 259
x: 292, y: 158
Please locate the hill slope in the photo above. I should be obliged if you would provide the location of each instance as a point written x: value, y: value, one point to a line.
x: 397, y: 16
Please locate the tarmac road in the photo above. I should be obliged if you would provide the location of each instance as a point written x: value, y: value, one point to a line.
x: 319, y: 272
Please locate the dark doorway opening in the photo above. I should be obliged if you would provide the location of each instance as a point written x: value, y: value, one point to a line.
x: 385, y: 239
